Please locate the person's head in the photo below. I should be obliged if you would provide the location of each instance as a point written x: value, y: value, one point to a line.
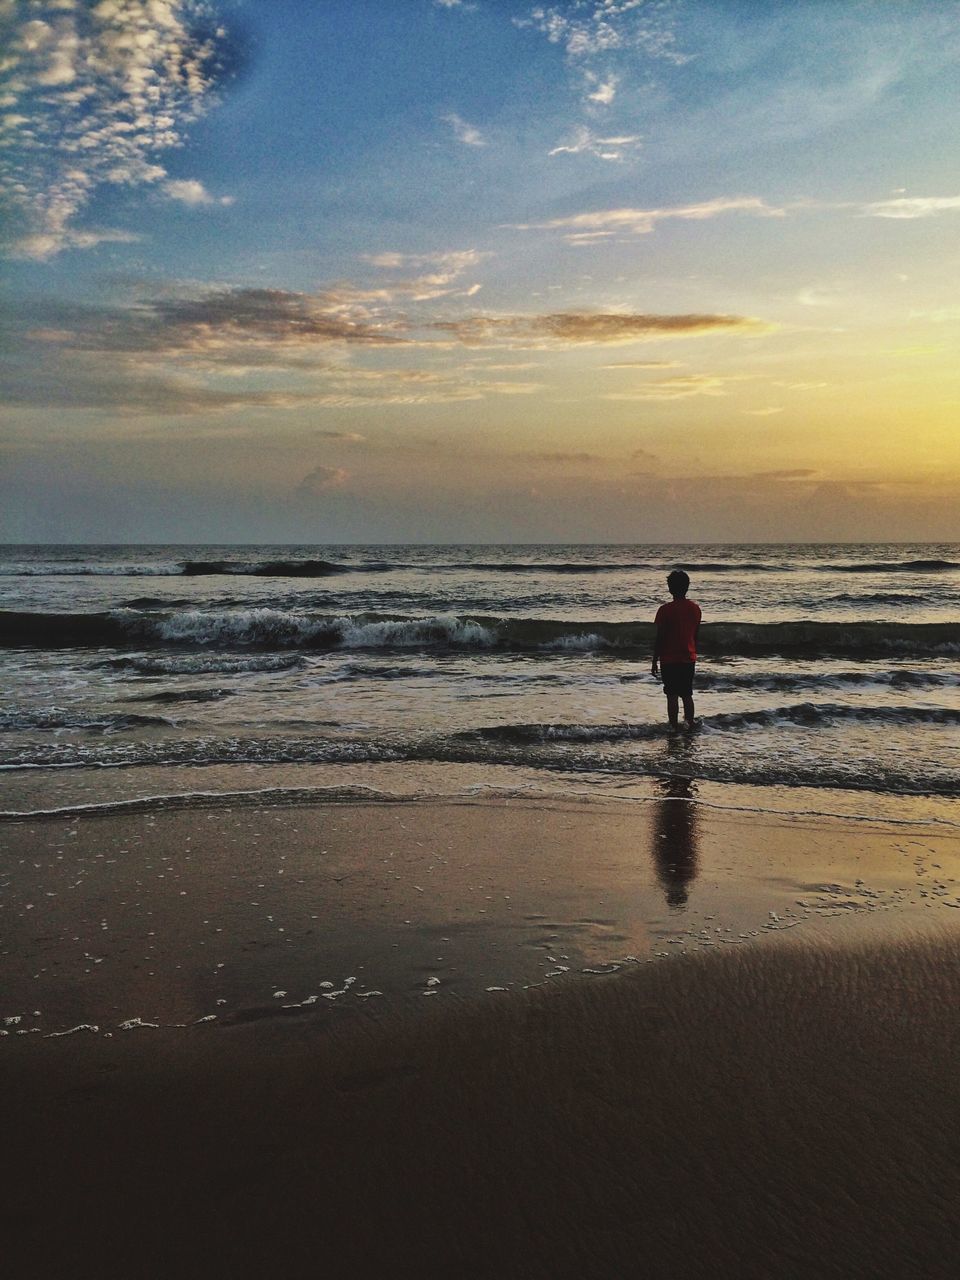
x: 678, y: 584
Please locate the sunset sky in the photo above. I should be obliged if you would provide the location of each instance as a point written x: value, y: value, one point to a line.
x: 480, y: 270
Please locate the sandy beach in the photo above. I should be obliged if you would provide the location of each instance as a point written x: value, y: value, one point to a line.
x: 662, y: 1039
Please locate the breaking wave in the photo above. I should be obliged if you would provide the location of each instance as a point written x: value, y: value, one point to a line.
x: 290, y: 629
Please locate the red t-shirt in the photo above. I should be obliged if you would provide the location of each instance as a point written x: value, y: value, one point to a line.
x: 677, y: 624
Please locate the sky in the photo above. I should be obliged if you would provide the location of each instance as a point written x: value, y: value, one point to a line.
x: 335, y: 271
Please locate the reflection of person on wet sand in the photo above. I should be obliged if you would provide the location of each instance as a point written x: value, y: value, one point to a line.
x: 675, y: 853
x: 675, y: 647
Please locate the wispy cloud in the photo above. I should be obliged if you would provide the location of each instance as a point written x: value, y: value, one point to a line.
x: 815, y: 295
x: 681, y: 388
x: 573, y: 328
x: 94, y: 94
x: 560, y: 457
x: 606, y: 27
x: 449, y: 264
x: 437, y: 272
x: 463, y: 131
x: 908, y: 207
x: 643, y: 364
x: 643, y: 221
x: 604, y: 147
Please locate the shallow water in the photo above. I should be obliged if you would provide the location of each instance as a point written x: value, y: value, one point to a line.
x: 821, y: 667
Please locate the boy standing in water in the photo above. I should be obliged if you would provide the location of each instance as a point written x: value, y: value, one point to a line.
x: 675, y: 647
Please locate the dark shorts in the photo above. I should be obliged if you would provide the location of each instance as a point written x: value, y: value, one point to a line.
x: 677, y: 678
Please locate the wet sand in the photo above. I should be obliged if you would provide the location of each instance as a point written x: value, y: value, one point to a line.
x: 745, y: 1066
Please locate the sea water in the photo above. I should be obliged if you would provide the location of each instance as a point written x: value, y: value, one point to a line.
x: 141, y: 668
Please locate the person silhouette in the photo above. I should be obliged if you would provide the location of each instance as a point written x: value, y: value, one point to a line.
x: 675, y: 647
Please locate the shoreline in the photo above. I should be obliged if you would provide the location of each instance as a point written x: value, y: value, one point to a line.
x: 170, y: 916
x: 472, y: 892
x: 41, y: 792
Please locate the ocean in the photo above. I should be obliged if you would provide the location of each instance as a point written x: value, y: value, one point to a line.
x: 827, y: 681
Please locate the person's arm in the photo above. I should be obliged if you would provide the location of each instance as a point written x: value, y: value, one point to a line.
x: 654, y: 666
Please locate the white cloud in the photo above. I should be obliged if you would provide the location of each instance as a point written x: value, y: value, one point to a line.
x: 448, y: 264
x: 464, y: 132
x: 609, y: 32
x: 610, y: 147
x: 96, y: 92
x: 190, y: 191
x: 643, y: 221
x: 43, y: 245
x: 437, y: 271
x: 681, y: 388
x: 912, y: 207
x: 605, y: 91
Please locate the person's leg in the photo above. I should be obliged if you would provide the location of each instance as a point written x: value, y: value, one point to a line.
x: 688, y: 709
x: 673, y: 708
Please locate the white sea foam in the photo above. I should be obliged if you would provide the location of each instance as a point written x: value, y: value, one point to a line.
x: 586, y: 641
x: 80, y: 569
x: 281, y: 627
x: 441, y: 629
x: 240, y: 626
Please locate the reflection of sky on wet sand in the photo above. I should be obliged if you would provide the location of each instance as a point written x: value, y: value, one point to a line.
x: 267, y: 910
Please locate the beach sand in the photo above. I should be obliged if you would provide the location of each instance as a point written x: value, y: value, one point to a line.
x: 727, y: 1042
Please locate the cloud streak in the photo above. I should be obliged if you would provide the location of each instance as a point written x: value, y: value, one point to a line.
x: 682, y: 388
x: 604, y: 147
x: 575, y: 328
x: 573, y: 458
x: 910, y: 207
x: 605, y: 222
